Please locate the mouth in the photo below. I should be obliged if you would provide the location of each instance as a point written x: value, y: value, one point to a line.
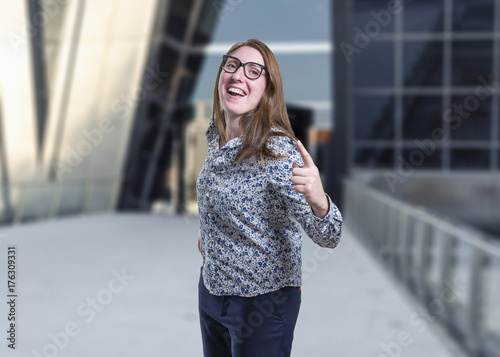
x: 236, y: 91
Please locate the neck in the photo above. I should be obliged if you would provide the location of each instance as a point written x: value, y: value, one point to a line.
x: 232, y: 127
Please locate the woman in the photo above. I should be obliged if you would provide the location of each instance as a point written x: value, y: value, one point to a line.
x: 256, y: 183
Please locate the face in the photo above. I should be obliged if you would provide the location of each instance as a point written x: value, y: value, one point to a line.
x: 239, y: 94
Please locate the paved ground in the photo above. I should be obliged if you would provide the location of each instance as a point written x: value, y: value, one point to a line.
x: 125, y: 285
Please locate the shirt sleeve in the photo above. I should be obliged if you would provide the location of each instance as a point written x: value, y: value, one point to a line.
x: 326, y: 231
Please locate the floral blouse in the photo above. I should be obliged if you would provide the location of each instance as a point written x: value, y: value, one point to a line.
x: 250, y: 218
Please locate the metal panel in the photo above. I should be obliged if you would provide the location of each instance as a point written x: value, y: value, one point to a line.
x: 19, y: 112
x: 97, y: 68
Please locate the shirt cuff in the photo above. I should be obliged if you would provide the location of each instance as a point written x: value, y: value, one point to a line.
x: 332, y: 214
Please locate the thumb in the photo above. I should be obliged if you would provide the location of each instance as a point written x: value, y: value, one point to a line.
x: 295, y: 165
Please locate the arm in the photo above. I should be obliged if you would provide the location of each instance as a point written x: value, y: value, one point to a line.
x: 303, y: 196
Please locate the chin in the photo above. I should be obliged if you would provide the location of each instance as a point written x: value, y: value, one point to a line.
x: 234, y: 111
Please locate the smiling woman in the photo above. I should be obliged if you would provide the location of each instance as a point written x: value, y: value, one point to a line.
x: 251, y: 116
x: 240, y: 93
x: 254, y: 178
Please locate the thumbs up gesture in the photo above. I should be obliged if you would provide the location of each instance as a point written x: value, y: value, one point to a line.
x: 306, y: 180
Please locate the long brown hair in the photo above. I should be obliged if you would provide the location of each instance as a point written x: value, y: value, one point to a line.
x: 270, y: 113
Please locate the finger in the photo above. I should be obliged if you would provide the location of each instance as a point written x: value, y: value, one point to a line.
x: 296, y: 166
x: 308, y: 161
x: 299, y: 171
x: 301, y: 180
x: 303, y: 189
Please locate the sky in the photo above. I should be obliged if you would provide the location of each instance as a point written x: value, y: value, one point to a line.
x: 304, y: 26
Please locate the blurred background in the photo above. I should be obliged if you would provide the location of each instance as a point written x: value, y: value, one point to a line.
x: 104, y: 107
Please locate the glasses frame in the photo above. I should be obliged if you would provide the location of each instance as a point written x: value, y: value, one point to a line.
x: 225, y: 58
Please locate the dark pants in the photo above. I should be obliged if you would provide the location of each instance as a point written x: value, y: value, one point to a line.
x: 260, y: 326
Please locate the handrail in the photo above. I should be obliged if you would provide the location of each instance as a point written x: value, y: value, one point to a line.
x: 427, y: 251
x: 462, y: 231
x: 33, y: 200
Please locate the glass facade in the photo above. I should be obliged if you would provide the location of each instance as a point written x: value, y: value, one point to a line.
x: 92, y: 96
x: 417, y: 114
x: 425, y: 70
x: 156, y: 144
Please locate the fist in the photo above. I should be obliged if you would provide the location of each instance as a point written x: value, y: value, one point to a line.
x: 306, y: 180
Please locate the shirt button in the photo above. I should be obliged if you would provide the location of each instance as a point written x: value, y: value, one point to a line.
x: 207, y: 194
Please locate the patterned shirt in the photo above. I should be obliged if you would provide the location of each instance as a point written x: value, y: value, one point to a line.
x: 250, y: 237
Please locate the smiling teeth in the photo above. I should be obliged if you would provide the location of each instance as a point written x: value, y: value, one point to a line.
x: 236, y: 91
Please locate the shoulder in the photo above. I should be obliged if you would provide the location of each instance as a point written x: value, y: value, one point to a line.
x: 212, y: 131
x: 282, y: 145
x: 287, y: 148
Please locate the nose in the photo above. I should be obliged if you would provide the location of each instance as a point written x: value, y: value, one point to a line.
x: 238, y: 74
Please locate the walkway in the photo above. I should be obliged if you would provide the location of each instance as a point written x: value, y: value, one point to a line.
x: 125, y: 285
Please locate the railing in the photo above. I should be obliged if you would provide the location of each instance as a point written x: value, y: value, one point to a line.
x: 453, y: 269
x: 22, y: 202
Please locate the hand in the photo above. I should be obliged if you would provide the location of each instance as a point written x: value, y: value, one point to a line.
x: 199, y: 244
x: 306, y: 180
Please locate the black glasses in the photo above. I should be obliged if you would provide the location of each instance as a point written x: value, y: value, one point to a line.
x: 252, y: 70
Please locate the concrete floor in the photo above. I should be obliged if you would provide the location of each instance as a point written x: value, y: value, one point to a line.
x: 125, y: 285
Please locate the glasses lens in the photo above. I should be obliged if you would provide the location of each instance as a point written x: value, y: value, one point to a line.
x: 253, y: 70
x: 231, y: 65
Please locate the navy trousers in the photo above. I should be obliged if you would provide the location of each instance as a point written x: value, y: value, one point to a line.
x: 260, y: 326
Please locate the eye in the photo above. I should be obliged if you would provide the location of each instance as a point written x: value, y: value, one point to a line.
x: 254, y: 70
x: 231, y: 64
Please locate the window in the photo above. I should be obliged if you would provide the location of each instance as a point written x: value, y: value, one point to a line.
x: 423, y: 63
x: 472, y: 118
x: 374, y: 16
x: 374, y: 157
x: 474, y: 15
x: 423, y: 16
x: 423, y: 156
x: 421, y: 116
x: 471, y: 59
x: 374, y: 65
x: 470, y: 159
x: 374, y: 117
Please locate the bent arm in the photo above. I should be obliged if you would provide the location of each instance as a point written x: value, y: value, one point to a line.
x: 324, y: 227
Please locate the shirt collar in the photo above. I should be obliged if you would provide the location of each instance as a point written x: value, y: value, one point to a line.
x: 212, y: 131
x: 212, y: 135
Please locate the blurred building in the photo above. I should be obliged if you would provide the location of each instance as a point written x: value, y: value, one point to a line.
x: 96, y: 114
x: 93, y: 100
x: 417, y: 111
